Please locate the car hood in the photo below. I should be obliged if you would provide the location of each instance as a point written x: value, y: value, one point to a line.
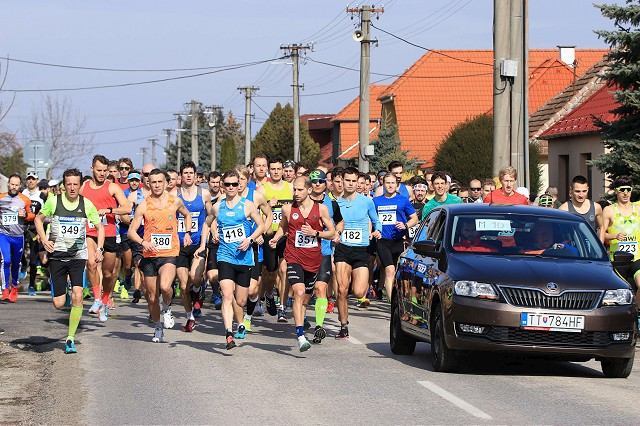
x: 535, y: 272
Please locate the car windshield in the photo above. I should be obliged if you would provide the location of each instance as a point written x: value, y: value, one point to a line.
x: 525, y: 235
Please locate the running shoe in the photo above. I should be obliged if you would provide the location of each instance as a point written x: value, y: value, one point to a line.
x: 290, y: 302
x: 5, y: 294
x: 303, y: 344
x: 247, y: 323
x: 197, y: 313
x: 22, y: 275
x: 168, y: 319
x: 137, y: 294
x: 216, y: 300
x: 344, y: 333
x: 230, y: 343
x: 189, y: 326
x: 363, y: 302
x: 282, y: 315
x: 271, y: 306
x: 39, y: 285
x: 103, y: 313
x: 124, y: 294
x: 307, y: 324
x: 371, y: 294
x: 319, y: 334
x: 70, y: 347
x: 241, y: 333
x: 13, y: 295
x: 259, y: 310
x: 95, y: 307
x: 86, y: 293
x: 158, y: 335
x: 32, y: 291
x: 331, y: 306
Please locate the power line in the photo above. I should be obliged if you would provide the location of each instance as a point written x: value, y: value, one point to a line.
x: 323, y: 93
x: 259, y: 107
x: 122, y: 128
x: 139, y: 83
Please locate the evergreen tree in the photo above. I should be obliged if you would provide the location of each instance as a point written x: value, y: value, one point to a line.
x: 467, y: 153
x: 622, y: 137
x: 275, y: 138
x: 228, y: 158
x: 11, y: 158
x: 387, y: 149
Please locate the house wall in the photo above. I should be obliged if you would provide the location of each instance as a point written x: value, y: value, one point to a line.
x: 568, y: 157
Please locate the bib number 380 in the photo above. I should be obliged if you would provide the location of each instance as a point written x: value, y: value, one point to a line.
x: 161, y: 241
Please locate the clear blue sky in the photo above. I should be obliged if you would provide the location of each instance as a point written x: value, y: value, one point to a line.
x: 161, y: 34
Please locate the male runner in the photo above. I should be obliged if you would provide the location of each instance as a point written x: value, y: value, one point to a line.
x: 351, y: 256
x: 260, y: 167
x: 67, y: 246
x: 325, y: 274
x: 172, y: 182
x: 110, y: 201
x: 396, y: 215
x: 304, y: 222
x: 441, y: 197
x: 396, y: 168
x: 507, y: 195
x: 37, y: 197
x: 582, y: 206
x: 125, y: 166
x: 277, y: 192
x: 289, y: 171
x: 190, y: 273
x: 15, y: 211
x: 131, y: 252
x: 214, y: 185
x: 160, y: 246
x: 234, y: 257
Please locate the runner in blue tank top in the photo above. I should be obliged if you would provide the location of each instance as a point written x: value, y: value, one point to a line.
x: 190, y: 270
x: 131, y: 251
x: 235, y: 258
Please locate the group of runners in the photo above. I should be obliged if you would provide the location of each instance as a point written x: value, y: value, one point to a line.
x: 309, y: 236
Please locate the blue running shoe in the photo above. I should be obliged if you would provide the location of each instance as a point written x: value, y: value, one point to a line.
x: 70, y: 347
x: 217, y: 301
x: 241, y: 333
x: 197, y: 313
x: 32, y: 291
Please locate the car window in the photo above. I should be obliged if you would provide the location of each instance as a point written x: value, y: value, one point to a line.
x: 436, y: 230
x: 423, y: 232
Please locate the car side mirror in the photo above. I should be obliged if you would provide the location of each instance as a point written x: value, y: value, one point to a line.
x: 622, y: 258
x: 427, y: 248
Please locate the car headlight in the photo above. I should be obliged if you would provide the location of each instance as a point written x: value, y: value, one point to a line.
x: 621, y: 296
x: 475, y: 289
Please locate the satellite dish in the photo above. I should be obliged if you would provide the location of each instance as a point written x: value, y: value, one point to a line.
x: 357, y: 35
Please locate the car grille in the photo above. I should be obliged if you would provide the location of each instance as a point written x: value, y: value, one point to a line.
x: 533, y: 298
x: 520, y: 336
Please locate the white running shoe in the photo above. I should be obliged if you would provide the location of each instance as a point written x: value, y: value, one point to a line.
x: 259, y: 310
x: 158, y: 335
x: 103, y: 313
x: 168, y: 319
x: 303, y: 344
x: 95, y: 308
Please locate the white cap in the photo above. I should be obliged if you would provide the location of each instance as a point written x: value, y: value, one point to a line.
x: 54, y: 182
x: 523, y: 191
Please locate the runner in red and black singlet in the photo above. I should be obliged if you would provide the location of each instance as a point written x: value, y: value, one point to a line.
x: 305, y: 223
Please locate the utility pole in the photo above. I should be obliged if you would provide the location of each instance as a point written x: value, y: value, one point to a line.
x: 143, y: 151
x: 248, y: 93
x: 364, y: 37
x: 501, y: 86
x: 293, y: 50
x: 213, y: 123
x: 167, y: 133
x: 179, y: 141
x: 195, y: 112
x: 154, y: 159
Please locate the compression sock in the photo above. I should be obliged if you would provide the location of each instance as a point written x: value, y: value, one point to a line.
x: 321, y: 310
x: 74, y: 320
x: 105, y: 297
x: 251, y: 306
x: 228, y: 333
x: 33, y: 272
x: 127, y: 279
x: 299, y: 330
x: 96, y: 291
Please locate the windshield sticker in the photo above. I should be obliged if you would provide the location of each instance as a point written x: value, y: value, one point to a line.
x: 493, y: 225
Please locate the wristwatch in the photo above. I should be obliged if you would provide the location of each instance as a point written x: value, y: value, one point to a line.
x: 101, y: 249
x: 110, y: 210
x: 317, y: 234
x: 188, y: 233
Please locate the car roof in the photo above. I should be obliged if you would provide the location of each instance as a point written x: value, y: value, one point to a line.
x: 472, y: 208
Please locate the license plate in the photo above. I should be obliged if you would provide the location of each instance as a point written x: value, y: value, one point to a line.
x: 551, y: 322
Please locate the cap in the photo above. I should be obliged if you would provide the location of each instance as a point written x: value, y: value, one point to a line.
x: 381, y: 173
x: 289, y: 163
x: 32, y: 175
x: 54, y: 182
x: 545, y: 200
x: 199, y: 171
x: 317, y: 174
x: 133, y: 175
x: 523, y: 191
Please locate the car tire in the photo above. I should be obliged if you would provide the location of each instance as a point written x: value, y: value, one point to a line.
x: 617, y: 368
x: 443, y: 359
x: 399, y: 341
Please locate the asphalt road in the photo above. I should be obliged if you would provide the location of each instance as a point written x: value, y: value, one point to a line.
x: 120, y: 377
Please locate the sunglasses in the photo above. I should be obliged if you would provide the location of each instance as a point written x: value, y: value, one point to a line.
x: 476, y: 189
x: 228, y: 184
x: 624, y: 189
x: 145, y: 174
x: 319, y: 181
x: 124, y: 168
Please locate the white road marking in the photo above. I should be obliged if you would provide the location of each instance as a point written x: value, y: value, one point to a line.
x: 353, y: 340
x: 458, y: 402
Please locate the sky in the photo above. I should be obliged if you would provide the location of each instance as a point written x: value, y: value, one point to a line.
x: 157, y: 34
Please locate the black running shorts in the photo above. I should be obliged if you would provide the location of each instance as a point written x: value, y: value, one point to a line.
x: 326, y: 269
x: 63, y: 270
x: 110, y: 245
x: 150, y: 266
x: 389, y: 251
x: 356, y: 257
x: 297, y: 275
x: 239, y: 274
x: 185, y: 257
x: 272, y: 256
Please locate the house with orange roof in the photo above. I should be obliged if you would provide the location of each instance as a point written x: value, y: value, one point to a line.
x: 446, y: 87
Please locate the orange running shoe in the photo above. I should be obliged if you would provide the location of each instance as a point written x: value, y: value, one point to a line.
x: 13, y: 295
x: 5, y: 294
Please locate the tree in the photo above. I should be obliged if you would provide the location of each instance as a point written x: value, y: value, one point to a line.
x: 228, y: 158
x: 11, y: 159
x: 621, y: 137
x: 57, y: 125
x: 467, y: 153
x: 387, y: 149
x: 275, y: 138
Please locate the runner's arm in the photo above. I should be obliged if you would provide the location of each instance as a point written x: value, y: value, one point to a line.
x: 182, y: 209
x: 124, y: 206
x: 599, y: 220
x: 284, y: 223
x: 330, y: 230
x: 135, y: 223
x: 255, y: 215
x: 265, y: 208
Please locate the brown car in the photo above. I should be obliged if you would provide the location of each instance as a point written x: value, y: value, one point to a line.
x: 512, y: 279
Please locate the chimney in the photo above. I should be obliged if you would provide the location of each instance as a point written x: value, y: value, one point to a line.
x: 568, y: 55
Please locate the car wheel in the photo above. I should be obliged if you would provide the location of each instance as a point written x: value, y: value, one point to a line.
x: 619, y: 368
x: 443, y: 359
x: 400, y: 342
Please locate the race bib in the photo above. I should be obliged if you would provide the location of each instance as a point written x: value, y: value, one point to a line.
x: 351, y: 236
x: 628, y: 246
x: 103, y: 220
x: 305, y: 241
x: 71, y: 228
x: 412, y: 231
x: 277, y: 216
x: 10, y: 218
x: 233, y: 234
x: 162, y: 241
x: 194, y: 222
x: 387, y: 218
